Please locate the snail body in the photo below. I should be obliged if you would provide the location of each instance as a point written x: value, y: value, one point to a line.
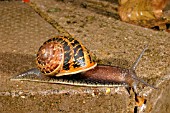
x: 65, y: 60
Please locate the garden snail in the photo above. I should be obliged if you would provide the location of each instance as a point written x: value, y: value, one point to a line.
x: 66, y: 56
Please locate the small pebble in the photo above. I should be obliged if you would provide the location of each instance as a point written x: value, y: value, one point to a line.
x: 22, y: 96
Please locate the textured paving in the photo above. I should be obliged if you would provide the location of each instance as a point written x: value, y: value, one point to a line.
x: 22, y: 31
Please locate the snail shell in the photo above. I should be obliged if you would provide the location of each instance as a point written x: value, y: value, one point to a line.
x: 63, y: 56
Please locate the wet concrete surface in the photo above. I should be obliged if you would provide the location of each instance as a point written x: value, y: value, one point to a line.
x: 22, y: 31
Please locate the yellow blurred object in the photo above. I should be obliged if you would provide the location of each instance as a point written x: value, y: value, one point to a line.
x: 141, y: 9
x: 108, y: 91
x: 140, y: 101
x: 143, y: 12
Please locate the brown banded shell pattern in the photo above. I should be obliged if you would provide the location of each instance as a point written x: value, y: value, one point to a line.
x: 63, y: 56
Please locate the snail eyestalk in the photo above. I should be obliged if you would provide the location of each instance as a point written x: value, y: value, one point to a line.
x: 133, y: 74
x: 138, y: 59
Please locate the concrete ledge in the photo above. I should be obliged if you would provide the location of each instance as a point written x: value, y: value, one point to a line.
x: 22, y: 31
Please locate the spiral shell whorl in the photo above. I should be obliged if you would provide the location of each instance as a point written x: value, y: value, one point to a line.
x: 62, y: 56
x: 49, y: 57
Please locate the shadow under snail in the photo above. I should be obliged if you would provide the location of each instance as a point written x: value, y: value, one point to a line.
x: 65, y: 60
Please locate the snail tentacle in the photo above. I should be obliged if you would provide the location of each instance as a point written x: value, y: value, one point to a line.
x: 139, y: 58
x: 33, y: 71
x: 133, y: 73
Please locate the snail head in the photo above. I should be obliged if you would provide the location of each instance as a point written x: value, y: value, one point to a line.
x: 133, y: 75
